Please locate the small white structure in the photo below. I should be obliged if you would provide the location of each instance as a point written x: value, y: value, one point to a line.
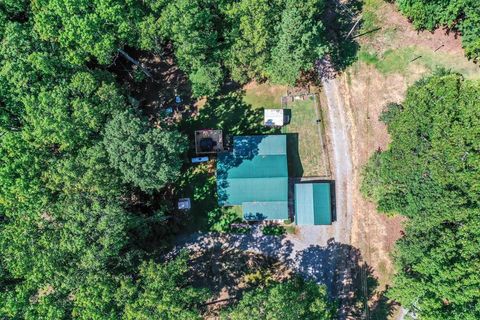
x: 274, y: 118
x: 184, y: 204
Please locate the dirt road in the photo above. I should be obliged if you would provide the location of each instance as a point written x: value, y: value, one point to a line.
x: 338, y: 127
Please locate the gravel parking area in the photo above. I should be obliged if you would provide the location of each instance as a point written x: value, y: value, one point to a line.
x: 308, y: 252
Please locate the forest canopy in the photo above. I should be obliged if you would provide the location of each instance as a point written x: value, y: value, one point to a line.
x: 87, y: 173
x: 244, y: 40
x: 430, y: 174
x: 90, y: 176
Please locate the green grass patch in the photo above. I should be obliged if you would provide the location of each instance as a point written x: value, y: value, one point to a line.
x: 372, y: 4
x: 221, y: 219
x: 238, y: 211
x: 368, y: 57
x: 264, y: 95
x: 396, y: 61
x: 370, y: 19
x: 391, y: 61
x: 434, y: 60
x: 400, y: 60
x: 306, y: 157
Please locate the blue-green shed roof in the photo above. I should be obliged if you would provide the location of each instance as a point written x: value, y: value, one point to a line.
x: 272, y: 210
x: 313, y: 203
x: 255, y: 172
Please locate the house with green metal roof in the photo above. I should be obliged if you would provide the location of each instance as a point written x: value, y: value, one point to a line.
x: 313, y: 204
x: 255, y: 176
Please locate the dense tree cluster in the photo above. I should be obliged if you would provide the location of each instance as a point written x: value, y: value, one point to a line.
x: 430, y: 174
x: 293, y: 299
x: 463, y: 16
x: 68, y: 234
x: 276, y: 40
x: 82, y: 213
x: 147, y: 157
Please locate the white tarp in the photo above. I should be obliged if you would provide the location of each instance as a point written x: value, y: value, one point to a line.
x: 274, y: 117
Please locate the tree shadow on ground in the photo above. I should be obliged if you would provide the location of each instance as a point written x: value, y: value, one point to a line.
x: 218, y: 263
x: 226, y: 271
x: 229, y: 113
x: 154, y: 95
x: 339, y: 18
x: 199, y: 184
x: 295, y: 167
x: 340, y: 267
x: 383, y: 308
x: 230, y: 264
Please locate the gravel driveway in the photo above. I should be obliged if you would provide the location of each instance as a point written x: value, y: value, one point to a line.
x: 301, y: 252
x: 342, y: 160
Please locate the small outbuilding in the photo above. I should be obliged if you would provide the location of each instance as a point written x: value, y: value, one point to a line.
x: 313, y: 205
x: 274, y: 117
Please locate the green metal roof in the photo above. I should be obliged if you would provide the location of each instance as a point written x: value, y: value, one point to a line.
x: 260, y: 166
x: 272, y: 210
x: 313, y: 204
x: 255, y: 172
x: 239, y: 190
x: 260, y: 145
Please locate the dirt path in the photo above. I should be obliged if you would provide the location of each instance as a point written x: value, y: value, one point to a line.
x: 338, y: 127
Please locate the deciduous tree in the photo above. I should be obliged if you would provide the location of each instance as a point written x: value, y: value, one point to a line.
x: 70, y: 114
x: 192, y: 26
x: 162, y: 292
x: 433, y: 161
x: 253, y: 36
x: 430, y: 174
x: 147, y: 157
x: 300, y: 41
x: 86, y: 29
x: 294, y: 299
